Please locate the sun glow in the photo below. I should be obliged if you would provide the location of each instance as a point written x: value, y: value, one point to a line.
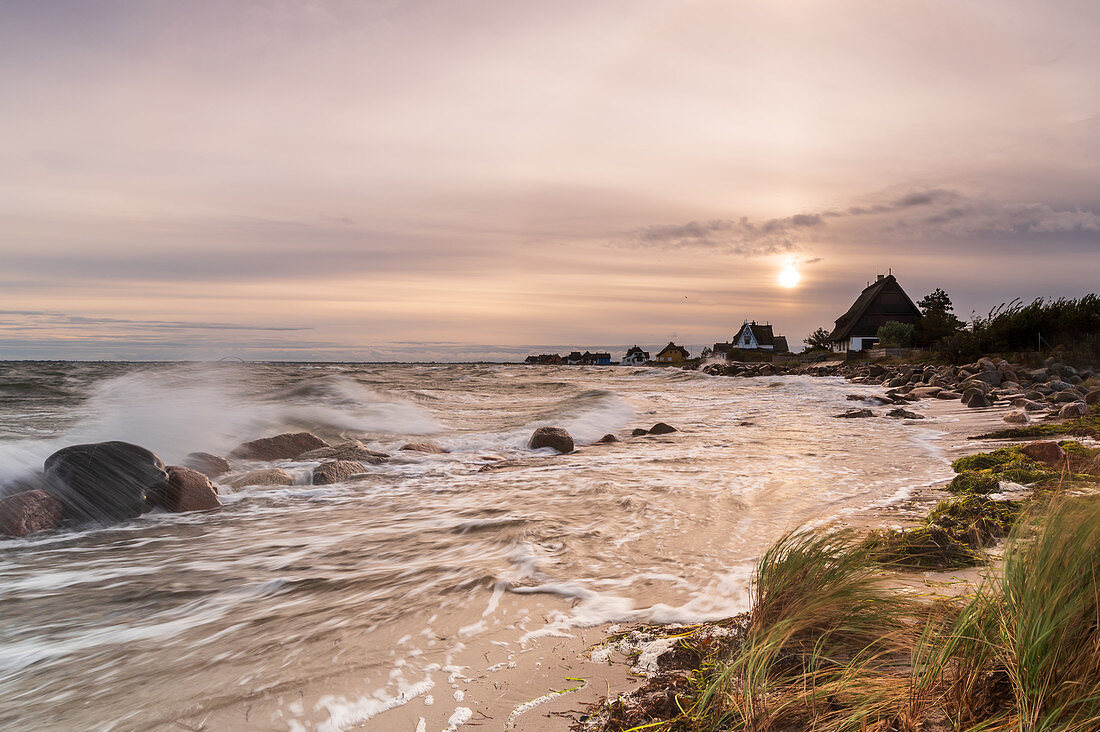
x: 789, y: 277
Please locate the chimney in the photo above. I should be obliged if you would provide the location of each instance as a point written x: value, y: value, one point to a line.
x: 882, y: 277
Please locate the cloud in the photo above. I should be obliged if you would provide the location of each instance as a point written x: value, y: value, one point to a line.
x: 742, y: 236
x: 39, y: 319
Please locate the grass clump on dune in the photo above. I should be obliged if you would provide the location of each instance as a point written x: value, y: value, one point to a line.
x: 1025, y: 651
x: 823, y: 634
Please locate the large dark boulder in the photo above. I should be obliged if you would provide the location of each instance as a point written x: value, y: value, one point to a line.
x: 662, y: 429
x: 27, y: 512
x: 103, y: 482
x: 554, y: 437
x: 185, y: 490
x: 287, y: 446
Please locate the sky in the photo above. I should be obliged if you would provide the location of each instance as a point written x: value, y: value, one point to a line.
x: 421, y: 180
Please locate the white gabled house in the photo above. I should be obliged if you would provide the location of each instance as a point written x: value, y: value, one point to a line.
x: 635, y: 357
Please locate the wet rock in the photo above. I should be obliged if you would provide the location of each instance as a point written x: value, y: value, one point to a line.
x: 554, y: 437
x: 662, y: 429
x: 104, y: 482
x: 855, y: 414
x: 337, y: 471
x: 901, y: 413
x: 949, y: 394
x: 351, y: 450
x: 975, y: 398
x: 185, y: 490
x: 639, y: 432
x: 428, y: 447
x: 1074, y: 410
x: 269, y: 476
x: 1017, y: 416
x: 926, y: 392
x: 287, y: 446
x: 27, y: 512
x: 209, y: 465
x: 1044, y: 451
x: 607, y: 439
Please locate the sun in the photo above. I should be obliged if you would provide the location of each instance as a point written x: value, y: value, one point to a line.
x: 789, y: 277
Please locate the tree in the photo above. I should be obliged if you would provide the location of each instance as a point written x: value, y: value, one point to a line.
x: 895, y: 335
x: 707, y: 353
x: 936, y: 301
x: 818, y: 339
x: 938, y: 321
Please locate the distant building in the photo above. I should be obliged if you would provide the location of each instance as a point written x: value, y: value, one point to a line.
x: 544, y: 359
x: 753, y: 337
x: 635, y: 357
x: 880, y: 302
x: 672, y: 353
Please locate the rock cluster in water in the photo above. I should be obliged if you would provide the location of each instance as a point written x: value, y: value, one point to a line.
x: 108, y: 482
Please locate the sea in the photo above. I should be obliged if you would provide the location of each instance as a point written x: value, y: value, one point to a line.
x: 331, y: 607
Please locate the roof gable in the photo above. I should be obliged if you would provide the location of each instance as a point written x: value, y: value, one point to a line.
x: 882, y: 300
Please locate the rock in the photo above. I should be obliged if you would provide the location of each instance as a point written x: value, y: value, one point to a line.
x: 1017, y: 416
x: 429, y: 447
x: 897, y: 381
x: 991, y: 378
x: 209, y: 465
x: 662, y: 429
x: 287, y: 446
x: 27, y: 512
x: 1073, y: 410
x: 1093, y: 397
x: 269, y: 476
x: 926, y: 392
x: 981, y: 386
x: 975, y: 398
x: 185, y: 490
x: 607, y: 439
x: 1065, y: 397
x: 901, y: 413
x: 337, y: 471
x: 639, y: 432
x: 103, y: 481
x: 1058, y: 385
x: 949, y: 395
x: 1044, y: 451
x: 351, y: 450
x: 554, y: 437
x: 855, y: 414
